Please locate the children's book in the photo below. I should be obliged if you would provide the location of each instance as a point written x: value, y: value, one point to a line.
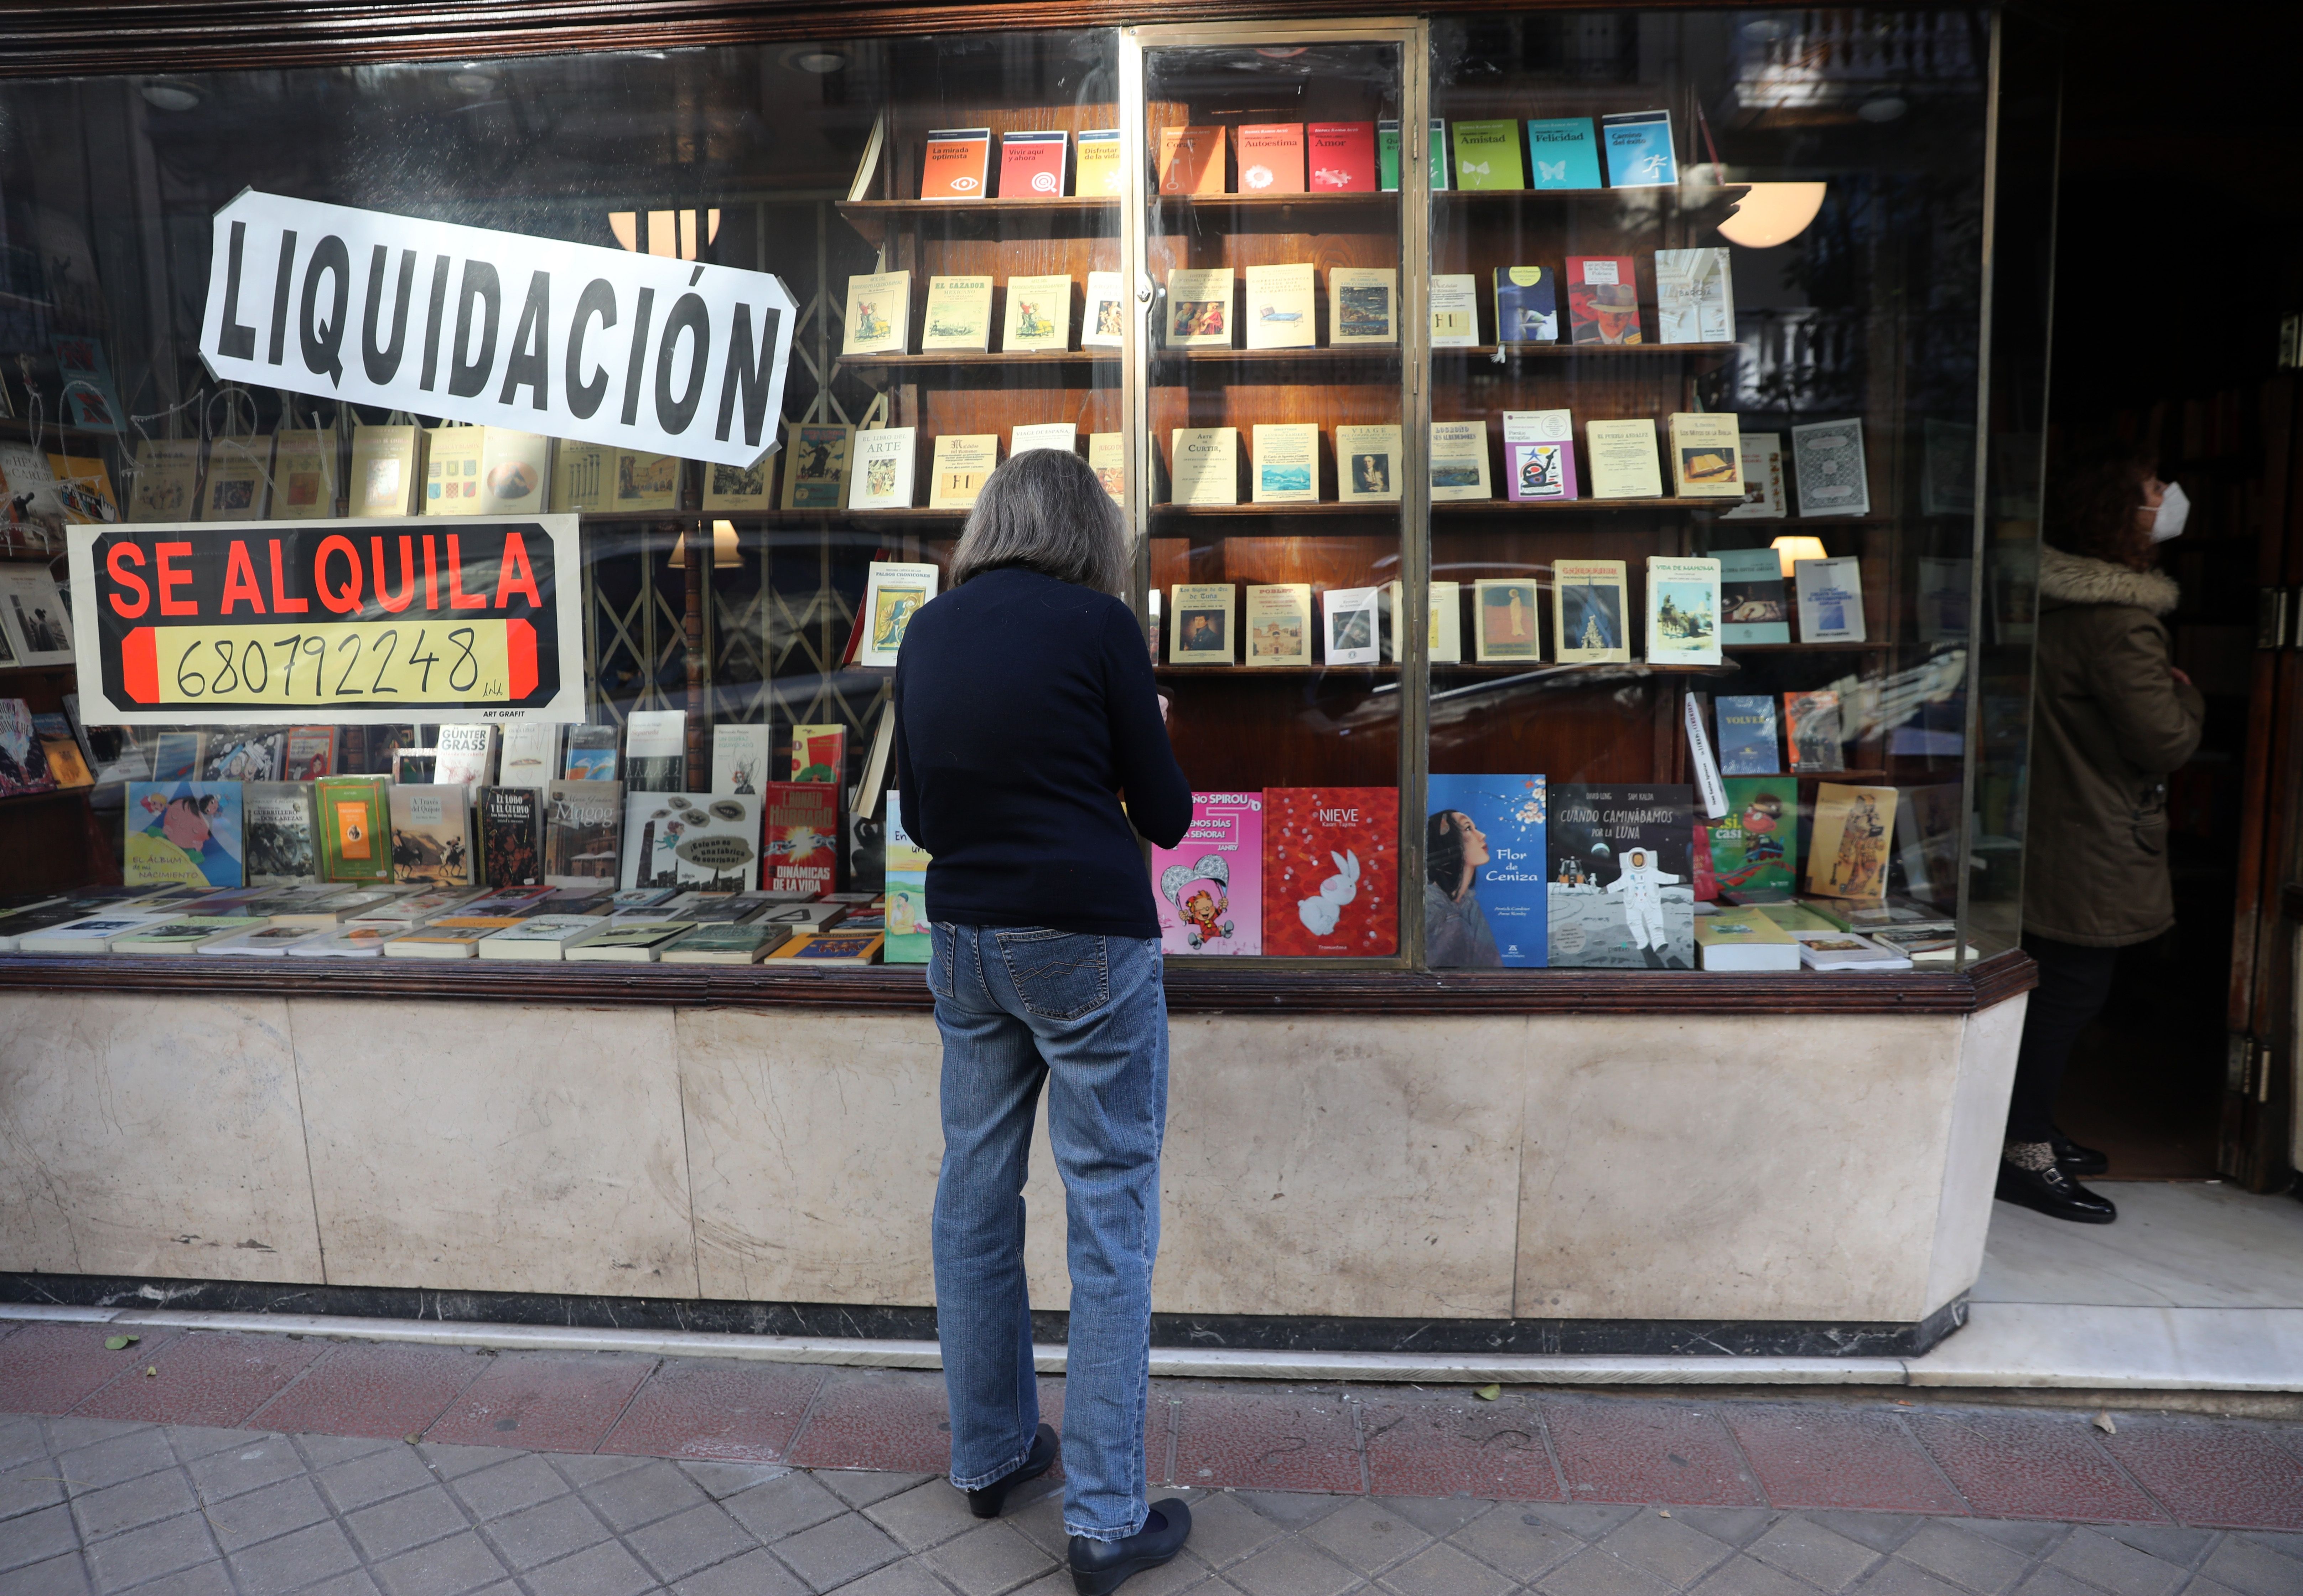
x: 1331, y: 872
x: 1755, y: 845
x: 906, y: 920
x: 1485, y: 898
x: 1854, y: 833
x: 183, y: 834
x: 1621, y: 870
x: 1210, y: 884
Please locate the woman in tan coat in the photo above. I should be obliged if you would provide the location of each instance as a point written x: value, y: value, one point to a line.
x: 2112, y: 717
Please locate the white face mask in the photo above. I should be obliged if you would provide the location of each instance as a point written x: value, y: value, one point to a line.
x: 2173, y: 510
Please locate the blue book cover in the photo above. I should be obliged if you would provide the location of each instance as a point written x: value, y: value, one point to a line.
x: 1562, y: 153
x: 1527, y: 306
x: 183, y: 833
x: 1752, y: 605
x: 1638, y: 151
x: 1747, y: 735
x: 1485, y: 836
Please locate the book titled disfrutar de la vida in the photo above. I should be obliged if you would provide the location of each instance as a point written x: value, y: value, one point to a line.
x: 1331, y: 872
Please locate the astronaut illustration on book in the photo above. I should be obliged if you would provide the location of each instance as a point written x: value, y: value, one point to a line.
x: 1641, y: 885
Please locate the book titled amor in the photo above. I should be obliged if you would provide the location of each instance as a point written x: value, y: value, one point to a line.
x: 1210, y: 884
x: 1331, y: 872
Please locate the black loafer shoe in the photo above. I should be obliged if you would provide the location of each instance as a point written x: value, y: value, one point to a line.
x: 986, y: 1500
x: 1099, y: 1567
x: 2054, y: 1193
x: 2076, y: 1161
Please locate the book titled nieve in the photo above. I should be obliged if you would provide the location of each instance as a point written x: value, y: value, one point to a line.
x: 1751, y: 608
x: 1747, y: 734
x: 1331, y: 872
x: 1562, y: 153
x: 1210, y: 884
x: 1269, y: 158
x: 954, y: 162
x: 1341, y: 155
x: 1032, y: 164
x: 1500, y: 883
x: 803, y: 838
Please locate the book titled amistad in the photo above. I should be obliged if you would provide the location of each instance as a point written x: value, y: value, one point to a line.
x: 1331, y: 872
x: 1210, y: 884
x: 1621, y: 893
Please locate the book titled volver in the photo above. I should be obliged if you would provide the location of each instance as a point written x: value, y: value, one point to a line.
x: 803, y: 837
x: 1621, y: 893
x: 1212, y: 883
x: 1485, y: 900
x: 1331, y: 872
x: 511, y: 835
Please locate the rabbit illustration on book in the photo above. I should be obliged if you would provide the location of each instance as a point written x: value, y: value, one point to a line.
x: 1320, y: 914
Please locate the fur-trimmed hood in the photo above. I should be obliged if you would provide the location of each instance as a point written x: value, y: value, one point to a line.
x: 2076, y: 579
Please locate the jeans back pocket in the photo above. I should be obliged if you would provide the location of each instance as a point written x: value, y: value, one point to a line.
x: 942, y: 945
x: 1057, y: 975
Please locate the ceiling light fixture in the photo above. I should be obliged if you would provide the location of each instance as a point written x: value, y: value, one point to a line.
x: 170, y: 94
x: 1771, y: 213
x: 1790, y: 549
x: 814, y: 58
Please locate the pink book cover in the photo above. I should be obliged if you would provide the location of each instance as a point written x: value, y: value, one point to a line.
x: 1331, y: 872
x: 1210, y: 884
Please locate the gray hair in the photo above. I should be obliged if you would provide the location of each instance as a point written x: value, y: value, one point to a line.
x: 1046, y: 510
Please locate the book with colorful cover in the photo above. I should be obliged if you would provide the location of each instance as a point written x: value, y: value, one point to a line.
x: 1744, y: 941
x: 1341, y: 155
x: 1192, y: 160
x: 954, y: 162
x: 1331, y: 872
x: 1705, y: 455
x: 1032, y: 164
x: 24, y: 756
x: 1755, y: 845
x: 183, y: 834
x: 1590, y: 612
x: 831, y: 948
x: 1527, y: 306
x: 1508, y: 631
x: 1039, y: 314
x: 311, y: 753
x: 591, y: 754
x: 1621, y: 867
x: 1363, y: 305
x: 355, y: 828
x: 1539, y: 456
x: 1854, y: 832
x: 431, y: 835
x: 1486, y: 836
x: 815, y: 464
x: 803, y: 837
x: 511, y: 835
x: 879, y: 323
x: 1563, y: 153
x: 1269, y: 158
x: 679, y: 841
x: 1747, y: 735
x: 1096, y: 168
x: 1210, y: 884
x: 1751, y: 607
x: 1387, y: 154
x: 819, y: 753
x: 1603, y: 299
x: 906, y: 921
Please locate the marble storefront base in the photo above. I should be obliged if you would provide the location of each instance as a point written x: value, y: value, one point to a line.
x: 1492, y: 1171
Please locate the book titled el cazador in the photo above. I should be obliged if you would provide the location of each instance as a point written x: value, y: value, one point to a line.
x: 1285, y: 467
x: 1682, y: 610
x: 1280, y: 307
x: 878, y: 314
x: 962, y: 462
x: 1199, y: 308
x: 1278, y: 623
x: 1367, y: 464
x: 958, y: 314
x: 1199, y: 623
x: 1039, y: 315
x: 1203, y: 465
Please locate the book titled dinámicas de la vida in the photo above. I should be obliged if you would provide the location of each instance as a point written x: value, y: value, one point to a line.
x: 1622, y: 892
x: 1486, y: 835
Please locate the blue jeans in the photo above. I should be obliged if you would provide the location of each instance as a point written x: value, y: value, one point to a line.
x: 1087, y: 1014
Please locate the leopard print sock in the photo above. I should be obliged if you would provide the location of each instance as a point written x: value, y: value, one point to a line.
x: 2034, y: 1156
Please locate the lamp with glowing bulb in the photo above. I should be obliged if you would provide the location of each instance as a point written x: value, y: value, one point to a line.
x: 724, y: 552
x: 1790, y: 549
x: 1772, y: 214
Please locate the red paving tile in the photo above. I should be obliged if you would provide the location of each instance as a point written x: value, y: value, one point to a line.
x: 1644, y: 1451
x: 1298, y: 1440
x: 891, y: 1419
x: 203, y: 1379
x: 544, y: 1401
x: 1809, y: 1455
x: 2031, y: 1465
x: 1155, y: 1428
x: 2206, y: 1472
x: 372, y: 1389
x: 53, y: 1368
x: 738, y: 1412
x: 1450, y: 1448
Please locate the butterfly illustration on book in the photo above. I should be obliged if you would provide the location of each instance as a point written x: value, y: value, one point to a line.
x: 1551, y: 172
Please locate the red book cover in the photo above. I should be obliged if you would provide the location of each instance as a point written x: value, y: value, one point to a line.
x: 1191, y: 161
x: 952, y: 165
x: 1271, y: 157
x: 802, y: 846
x: 1331, y: 872
x: 1342, y: 156
x: 1032, y: 164
x: 1603, y: 299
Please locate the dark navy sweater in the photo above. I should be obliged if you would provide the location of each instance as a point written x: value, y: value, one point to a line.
x: 1025, y: 709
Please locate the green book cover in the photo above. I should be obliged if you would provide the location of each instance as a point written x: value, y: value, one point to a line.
x: 1488, y: 156
x: 1755, y: 845
x: 355, y: 827
x: 1387, y: 154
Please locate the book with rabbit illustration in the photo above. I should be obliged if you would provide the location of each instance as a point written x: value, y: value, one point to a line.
x: 1210, y: 884
x: 1331, y: 872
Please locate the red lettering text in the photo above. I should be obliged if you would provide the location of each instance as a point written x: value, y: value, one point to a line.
x: 407, y: 573
x: 170, y: 578
x: 458, y: 599
x: 281, y: 604
x: 344, y: 600
x: 122, y: 556
x: 515, y: 558
x: 240, y: 580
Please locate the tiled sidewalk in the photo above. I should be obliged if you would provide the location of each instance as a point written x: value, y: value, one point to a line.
x: 258, y: 1465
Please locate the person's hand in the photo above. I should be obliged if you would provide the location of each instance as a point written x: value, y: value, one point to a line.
x: 1164, y: 705
x: 2177, y: 671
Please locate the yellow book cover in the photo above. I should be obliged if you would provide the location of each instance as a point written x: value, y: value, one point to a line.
x: 86, y: 489
x: 963, y: 460
x: 1279, y: 623
x: 1280, y: 301
x: 1621, y: 458
x: 1285, y: 464
x: 1095, y: 162
x: 383, y: 478
x: 878, y: 314
x: 306, y: 479
x: 1203, y: 465
x: 167, y: 480
x: 451, y: 469
x: 815, y: 465
x: 1108, y: 461
x: 1847, y: 858
x: 1039, y: 315
x: 1706, y: 456
x: 583, y: 477
x: 1199, y: 623
x: 1444, y: 632
x: 959, y: 315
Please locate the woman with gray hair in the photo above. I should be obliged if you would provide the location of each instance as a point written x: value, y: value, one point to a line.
x: 1026, y: 715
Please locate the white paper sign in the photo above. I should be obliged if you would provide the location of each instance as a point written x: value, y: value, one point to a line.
x: 639, y: 351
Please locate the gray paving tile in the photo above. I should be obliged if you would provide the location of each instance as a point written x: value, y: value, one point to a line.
x: 2054, y: 1582
x: 355, y: 1584
x: 1368, y: 1536
x: 1292, y: 1567
x: 454, y: 1462
x: 1797, y: 1547
x: 232, y: 1471
x: 1881, y: 1532
x: 507, y: 1488
x: 1896, y: 1578
x: 755, y: 1573
x: 2204, y: 1586
x: 1225, y: 1529
x: 679, y: 1545
x: 606, y: 1569
x: 2028, y: 1536
x: 1291, y: 1509
x: 2250, y: 1569
x: 55, y: 1576
x: 69, y: 1434
x: 205, y: 1579
x: 1440, y: 1570
x: 908, y: 1578
x: 35, y: 1537
x: 583, y: 1469
x: 447, y: 1567
x: 1586, y: 1521
x: 2278, y: 1541
x: 391, y: 1527
x: 22, y: 1438
x: 990, y: 1559
x: 198, y: 1440
x: 274, y: 1509
x: 127, y: 1455
x: 293, y: 1561
x: 721, y: 1481
x: 375, y: 1477
x: 1519, y: 1543
x: 326, y: 1451
x: 2121, y: 1569
x: 544, y: 1532
x: 1673, y: 1551
x: 1745, y: 1576
x: 2168, y: 1542
x: 1737, y: 1526
x: 783, y: 1506
x: 1436, y: 1516
x: 147, y: 1553
x: 1593, y: 1572
x: 1969, y: 1561
x: 837, y: 1551
x: 931, y: 1513
x: 860, y: 1488
x: 1041, y: 1518
x: 132, y: 1502
x: 638, y: 1496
